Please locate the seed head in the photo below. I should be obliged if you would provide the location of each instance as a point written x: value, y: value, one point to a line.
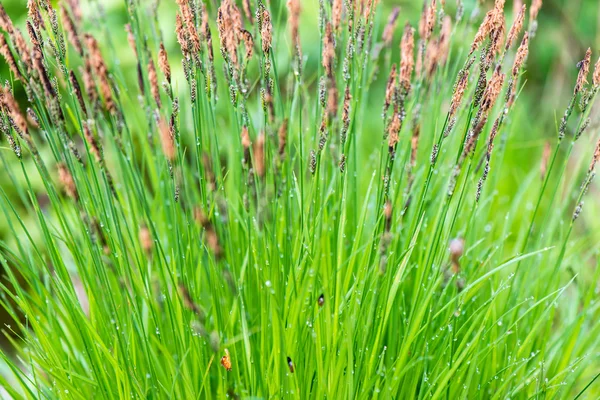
x: 390, y: 27
x: 145, y: 238
x: 336, y: 14
x: 248, y: 11
x: 282, y: 136
x: 259, y: 155
x: 595, y: 158
x: 407, y: 61
x: 390, y: 88
x: 69, y: 26
x: 596, y: 76
x: 456, y: 248
x: 167, y: 140
x: 492, y: 90
x: 10, y: 59
x: 67, y: 181
x: 521, y: 56
x: 459, y: 91
x: 536, y: 5
x: 516, y: 28
x: 294, y: 21
x: 153, y: 79
x: 328, y: 50
x: 163, y: 63
x: 584, y: 69
x: 266, y: 31
x: 10, y: 105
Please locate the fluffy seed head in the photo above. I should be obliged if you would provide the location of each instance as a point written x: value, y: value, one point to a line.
x: 584, y: 69
x: 459, y: 91
x: 145, y: 238
x: 492, y: 90
x: 595, y: 158
x: 516, y: 28
x: 390, y: 27
x: 167, y: 140
x: 67, y: 181
x: 266, y: 31
x: 596, y: 76
x: 328, y: 50
x: 522, y: 52
x: 390, y: 87
x: 294, y: 20
x: 163, y: 63
x: 536, y: 5
x: 407, y: 61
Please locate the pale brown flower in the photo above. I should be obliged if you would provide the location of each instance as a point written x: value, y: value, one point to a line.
x: 163, y: 63
x: 516, y: 28
x: 407, y: 61
x: 584, y: 69
x: 67, y: 181
x: 522, y: 52
x: 390, y: 27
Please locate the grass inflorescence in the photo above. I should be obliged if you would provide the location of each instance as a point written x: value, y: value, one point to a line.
x: 250, y: 215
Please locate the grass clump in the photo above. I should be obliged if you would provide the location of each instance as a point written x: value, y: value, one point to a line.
x: 253, y: 224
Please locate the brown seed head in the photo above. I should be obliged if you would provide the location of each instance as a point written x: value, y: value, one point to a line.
x: 248, y: 43
x: 259, y: 155
x: 167, y: 140
x: 584, y: 69
x: 407, y: 60
x: 34, y: 15
x: 394, y: 131
x: 5, y: 21
x: 10, y: 59
x: 163, y: 63
x: 328, y: 50
x: 536, y: 5
x: 182, y: 36
x: 390, y: 27
x: 516, y: 28
x: 245, y: 136
x: 190, y: 24
x: 153, y: 79
x: 390, y: 87
x: 67, y: 182
x: 459, y: 91
x: 430, y: 19
x: 596, y: 76
x: 248, y: 11
x: 266, y: 31
x: 492, y: 91
x: 294, y: 21
x: 595, y: 158
x: 145, y: 238
x: 10, y: 105
x: 282, y: 136
x: 93, y: 144
x: 131, y: 39
x: 97, y: 62
x: 444, y: 40
x: 336, y: 14
x: 521, y: 56
x: 456, y: 249
x: 69, y: 26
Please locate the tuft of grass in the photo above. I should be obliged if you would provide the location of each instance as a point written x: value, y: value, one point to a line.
x: 249, y: 215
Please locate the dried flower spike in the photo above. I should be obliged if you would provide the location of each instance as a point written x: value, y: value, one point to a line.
x: 584, y: 69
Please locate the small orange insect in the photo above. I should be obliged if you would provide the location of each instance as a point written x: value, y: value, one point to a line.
x: 226, y: 360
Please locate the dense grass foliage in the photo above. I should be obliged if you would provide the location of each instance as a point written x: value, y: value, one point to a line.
x: 239, y: 218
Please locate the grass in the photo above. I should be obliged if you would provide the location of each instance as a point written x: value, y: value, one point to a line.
x: 256, y: 227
